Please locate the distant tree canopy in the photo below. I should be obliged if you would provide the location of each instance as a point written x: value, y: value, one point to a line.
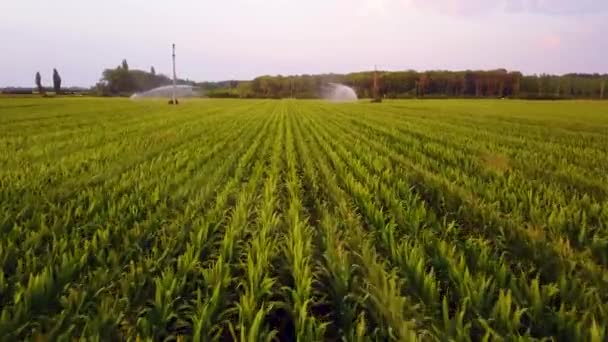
x: 392, y: 84
x: 403, y: 84
x: 56, y: 81
x: 123, y: 81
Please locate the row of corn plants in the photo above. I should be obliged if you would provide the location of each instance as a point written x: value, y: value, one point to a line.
x: 301, y: 220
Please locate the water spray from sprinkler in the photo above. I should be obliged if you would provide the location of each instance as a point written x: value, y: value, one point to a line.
x: 168, y: 91
x: 338, y: 93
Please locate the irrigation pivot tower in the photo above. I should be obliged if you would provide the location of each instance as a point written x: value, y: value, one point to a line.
x: 376, y: 91
x: 174, y: 97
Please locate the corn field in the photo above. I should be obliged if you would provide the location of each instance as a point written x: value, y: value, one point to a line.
x: 286, y: 220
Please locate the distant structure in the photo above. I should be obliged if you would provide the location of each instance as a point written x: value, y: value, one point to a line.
x: 174, y: 96
x: 376, y: 91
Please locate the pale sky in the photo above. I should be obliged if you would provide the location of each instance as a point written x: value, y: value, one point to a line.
x: 241, y: 39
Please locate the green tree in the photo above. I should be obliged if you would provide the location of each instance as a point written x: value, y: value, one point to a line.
x: 56, y: 82
x: 39, y: 83
x: 123, y: 81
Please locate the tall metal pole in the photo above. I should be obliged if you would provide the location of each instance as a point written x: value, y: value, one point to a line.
x: 375, y: 82
x: 376, y: 90
x: 174, y: 78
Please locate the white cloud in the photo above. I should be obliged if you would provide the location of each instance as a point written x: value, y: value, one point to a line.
x: 469, y: 7
x: 564, y: 7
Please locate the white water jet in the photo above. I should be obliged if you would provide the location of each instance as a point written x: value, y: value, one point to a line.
x: 338, y: 93
x: 167, y: 92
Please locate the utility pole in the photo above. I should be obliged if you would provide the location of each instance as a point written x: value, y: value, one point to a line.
x: 174, y: 99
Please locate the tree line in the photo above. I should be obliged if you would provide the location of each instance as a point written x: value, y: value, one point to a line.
x: 430, y: 84
x: 499, y: 83
x: 123, y: 81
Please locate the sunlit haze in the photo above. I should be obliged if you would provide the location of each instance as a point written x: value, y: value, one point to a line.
x: 241, y: 39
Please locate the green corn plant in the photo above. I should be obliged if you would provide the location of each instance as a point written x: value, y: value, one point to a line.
x: 207, y: 304
x: 155, y: 319
x: 597, y: 332
x: 505, y: 316
x: 106, y: 322
x: 341, y: 277
x: 399, y: 316
x: 454, y: 327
